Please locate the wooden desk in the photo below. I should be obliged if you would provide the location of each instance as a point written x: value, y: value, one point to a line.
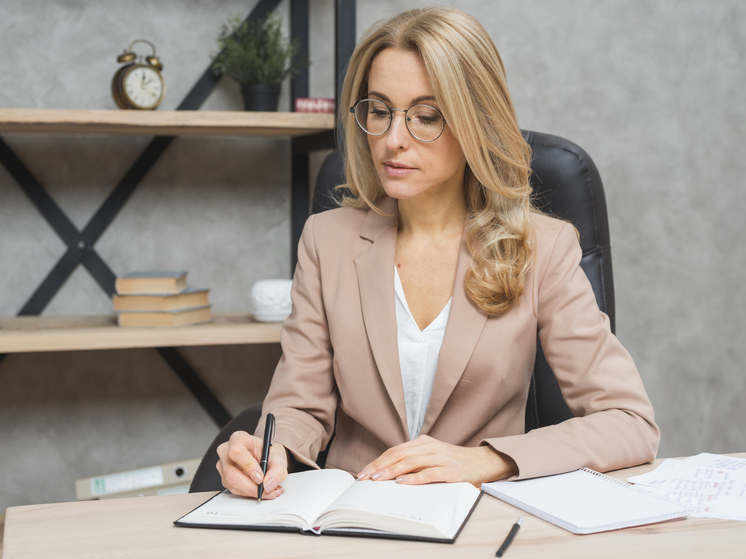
x: 142, y: 527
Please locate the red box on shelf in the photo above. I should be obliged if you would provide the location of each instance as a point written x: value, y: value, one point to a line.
x: 314, y: 105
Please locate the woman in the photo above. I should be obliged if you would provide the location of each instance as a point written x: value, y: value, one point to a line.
x: 416, y: 306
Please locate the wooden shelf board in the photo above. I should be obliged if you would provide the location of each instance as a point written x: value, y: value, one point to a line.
x: 66, y: 333
x: 163, y: 123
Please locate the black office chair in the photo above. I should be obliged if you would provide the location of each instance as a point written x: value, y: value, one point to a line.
x: 566, y: 184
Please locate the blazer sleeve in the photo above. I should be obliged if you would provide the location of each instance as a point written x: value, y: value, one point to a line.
x: 614, y: 424
x: 303, y: 394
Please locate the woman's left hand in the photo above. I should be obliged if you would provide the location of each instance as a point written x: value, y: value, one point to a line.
x: 426, y: 460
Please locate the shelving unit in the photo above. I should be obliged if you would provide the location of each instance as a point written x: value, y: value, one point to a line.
x: 29, y: 332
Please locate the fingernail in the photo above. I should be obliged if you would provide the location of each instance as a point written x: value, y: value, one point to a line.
x: 401, y: 479
x: 363, y: 475
x: 376, y: 476
x: 270, y: 485
x: 256, y: 476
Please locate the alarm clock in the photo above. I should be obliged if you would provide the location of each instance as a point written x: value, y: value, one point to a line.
x: 139, y: 83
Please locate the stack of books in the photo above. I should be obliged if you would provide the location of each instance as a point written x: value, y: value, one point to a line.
x: 159, y: 299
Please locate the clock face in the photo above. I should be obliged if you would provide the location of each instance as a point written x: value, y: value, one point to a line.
x: 144, y: 87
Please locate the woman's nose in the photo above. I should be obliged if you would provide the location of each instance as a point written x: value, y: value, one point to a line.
x: 398, y: 134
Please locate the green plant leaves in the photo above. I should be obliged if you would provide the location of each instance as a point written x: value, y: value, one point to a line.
x: 256, y: 52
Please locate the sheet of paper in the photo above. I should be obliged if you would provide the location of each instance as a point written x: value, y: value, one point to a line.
x: 713, y: 493
x: 707, y: 460
x: 713, y: 485
x: 657, y: 477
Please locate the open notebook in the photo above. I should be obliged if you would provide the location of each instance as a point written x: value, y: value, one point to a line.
x: 585, y: 501
x: 332, y: 502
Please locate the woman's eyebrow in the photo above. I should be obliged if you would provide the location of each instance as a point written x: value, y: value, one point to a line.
x: 415, y: 101
x: 380, y: 95
x: 423, y: 98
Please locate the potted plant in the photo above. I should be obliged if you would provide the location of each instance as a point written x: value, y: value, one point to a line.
x: 259, y: 58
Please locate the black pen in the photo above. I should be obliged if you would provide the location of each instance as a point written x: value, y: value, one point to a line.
x: 269, y: 436
x: 509, y: 539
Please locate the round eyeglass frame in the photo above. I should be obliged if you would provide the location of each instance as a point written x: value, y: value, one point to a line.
x: 406, y: 119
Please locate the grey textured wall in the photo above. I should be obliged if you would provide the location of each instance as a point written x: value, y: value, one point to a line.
x: 653, y: 90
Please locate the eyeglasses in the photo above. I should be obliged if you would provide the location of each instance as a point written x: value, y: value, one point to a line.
x: 424, y: 122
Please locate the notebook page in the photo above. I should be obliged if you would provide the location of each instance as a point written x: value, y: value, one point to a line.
x: 585, y: 502
x: 444, y: 506
x: 306, y: 496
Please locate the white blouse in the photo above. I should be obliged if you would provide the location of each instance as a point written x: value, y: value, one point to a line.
x: 418, y: 356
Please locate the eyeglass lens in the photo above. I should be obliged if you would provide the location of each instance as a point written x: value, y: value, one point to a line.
x: 424, y: 122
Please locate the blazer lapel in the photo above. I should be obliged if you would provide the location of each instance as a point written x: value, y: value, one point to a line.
x: 375, y: 276
x: 465, y: 324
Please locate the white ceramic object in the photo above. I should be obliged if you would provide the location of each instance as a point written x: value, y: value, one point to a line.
x: 271, y: 299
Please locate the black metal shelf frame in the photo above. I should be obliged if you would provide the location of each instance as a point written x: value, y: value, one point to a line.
x: 80, y: 243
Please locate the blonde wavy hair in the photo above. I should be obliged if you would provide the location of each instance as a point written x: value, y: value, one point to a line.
x: 468, y: 79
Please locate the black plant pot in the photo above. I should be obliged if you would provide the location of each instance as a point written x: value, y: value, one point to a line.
x: 260, y: 96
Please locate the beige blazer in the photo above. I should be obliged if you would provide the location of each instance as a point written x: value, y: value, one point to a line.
x: 340, y: 362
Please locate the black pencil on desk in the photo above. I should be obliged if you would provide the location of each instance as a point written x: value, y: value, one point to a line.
x: 509, y: 539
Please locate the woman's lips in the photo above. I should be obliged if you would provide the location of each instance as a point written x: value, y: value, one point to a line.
x: 395, y: 169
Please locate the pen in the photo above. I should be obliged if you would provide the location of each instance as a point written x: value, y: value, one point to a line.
x: 269, y: 436
x: 509, y: 539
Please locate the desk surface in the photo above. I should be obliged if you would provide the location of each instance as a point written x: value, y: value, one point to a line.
x: 142, y: 527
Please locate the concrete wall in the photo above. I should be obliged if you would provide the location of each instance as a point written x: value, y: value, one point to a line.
x: 653, y: 91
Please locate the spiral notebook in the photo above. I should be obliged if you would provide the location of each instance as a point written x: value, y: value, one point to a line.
x: 585, y: 501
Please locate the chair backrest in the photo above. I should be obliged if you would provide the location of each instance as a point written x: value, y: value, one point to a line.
x: 567, y: 185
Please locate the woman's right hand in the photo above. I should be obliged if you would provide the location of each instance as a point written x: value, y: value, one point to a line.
x: 240, y: 471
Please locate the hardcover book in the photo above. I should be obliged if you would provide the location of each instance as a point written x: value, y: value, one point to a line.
x: 151, y: 282
x: 332, y: 502
x: 189, y: 298
x: 166, y: 318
